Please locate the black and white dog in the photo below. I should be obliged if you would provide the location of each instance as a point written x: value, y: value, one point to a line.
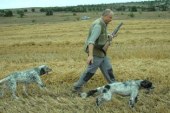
x: 128, y: 88
x: 26, y: 77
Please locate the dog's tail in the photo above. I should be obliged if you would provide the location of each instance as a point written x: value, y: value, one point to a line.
x: 89, y: 93
x: 92, y: 92
x: 4, y: 80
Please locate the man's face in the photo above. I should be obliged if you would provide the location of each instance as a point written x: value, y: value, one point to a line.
x: 108, y: 18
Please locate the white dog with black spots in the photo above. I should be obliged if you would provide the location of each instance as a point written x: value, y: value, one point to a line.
x: 26, y: 77
x: 128, y: 88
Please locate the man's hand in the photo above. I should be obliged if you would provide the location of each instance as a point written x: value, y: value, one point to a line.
x: 90, y: 60
x: 110, y: 36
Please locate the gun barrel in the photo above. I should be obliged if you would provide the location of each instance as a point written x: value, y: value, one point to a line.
x: 117, y: 28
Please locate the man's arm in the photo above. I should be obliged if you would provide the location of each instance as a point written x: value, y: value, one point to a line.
x: 90, y: 55
x: 94, y: 35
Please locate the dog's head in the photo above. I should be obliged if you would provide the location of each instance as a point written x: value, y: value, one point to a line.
x: 146, y: 84
x: 44, y: 69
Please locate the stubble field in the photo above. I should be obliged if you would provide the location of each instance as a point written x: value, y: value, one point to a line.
x: 140, y: 51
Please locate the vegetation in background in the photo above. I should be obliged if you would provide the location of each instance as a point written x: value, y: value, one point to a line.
x: 6, y: 13
x: 20, y: 13
x: 144, y: 6
x: 157, y: 5
x: 49, y: 12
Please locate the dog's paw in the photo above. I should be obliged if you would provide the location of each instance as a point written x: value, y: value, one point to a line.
x: 131, y: 104
x: 99, y: 101
x: 83, y: 95
x: 15, y: 98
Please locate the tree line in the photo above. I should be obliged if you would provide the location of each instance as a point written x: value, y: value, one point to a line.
x: 155, y: 5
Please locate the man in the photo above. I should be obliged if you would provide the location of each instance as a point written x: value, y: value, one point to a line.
x: 96, y: 46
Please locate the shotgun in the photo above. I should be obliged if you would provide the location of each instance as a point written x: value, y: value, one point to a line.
x: 104, y: 49
x: 117, y: 29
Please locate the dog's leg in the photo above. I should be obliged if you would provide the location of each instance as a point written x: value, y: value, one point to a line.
x: 1, y: 92
x: 107, y: 95
x: 41, y: 85
x: 99, y: 101
x: 133, y: 98
x: 25, y: 87
x: 2, y: 89
x: 13, y: 86
x: 39, y: 82
x: 136, y: 99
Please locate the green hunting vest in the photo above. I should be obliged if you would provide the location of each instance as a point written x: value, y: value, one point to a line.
x: 101, y: 40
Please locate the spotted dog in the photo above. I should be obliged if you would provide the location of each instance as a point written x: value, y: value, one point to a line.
x: 128, y: 88
x: 26, y: 77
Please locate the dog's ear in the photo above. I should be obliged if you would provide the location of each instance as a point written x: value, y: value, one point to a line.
x: 146, y: 84
x: 42, y: 71
x: 107, y: 87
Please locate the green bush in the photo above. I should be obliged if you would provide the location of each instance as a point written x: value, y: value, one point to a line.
x: 25, y: 10
x: 131, y: 15
x: 33, y: 21
x: 2, y: 13
x: 8, y: 13
x: 74, y: 14
x: 20, y: 13
x: 33, y: 10
x: 49, y: 13
x: 134, y: 9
